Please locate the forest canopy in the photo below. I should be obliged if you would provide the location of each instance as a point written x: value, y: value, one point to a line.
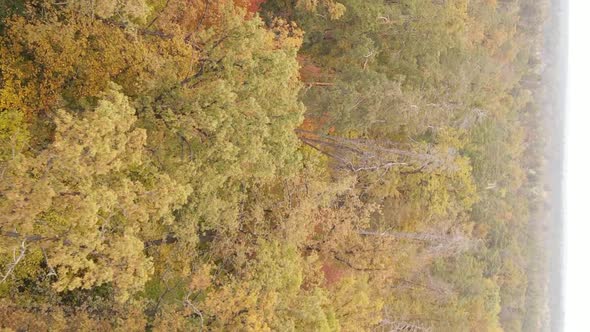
x: 288, y: 165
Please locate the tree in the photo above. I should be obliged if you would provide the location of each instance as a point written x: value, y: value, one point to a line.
x: 334, y: 9
x: 89, y: 200
x: 367, y: 155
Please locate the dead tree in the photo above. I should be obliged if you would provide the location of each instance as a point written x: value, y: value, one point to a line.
x: 439, y: 245
x: 361, y: 154
x: 403, y: 326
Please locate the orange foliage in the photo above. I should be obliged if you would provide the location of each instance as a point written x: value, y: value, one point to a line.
x: 191, y: 15
x: 309, y: 71
x: 314, y: 124
x: 333, y: 272
x: 252, y: 6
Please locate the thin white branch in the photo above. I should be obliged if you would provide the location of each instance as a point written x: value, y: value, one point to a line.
x: 15, y: 261
x: 196, y: 311
x: 51, y: 269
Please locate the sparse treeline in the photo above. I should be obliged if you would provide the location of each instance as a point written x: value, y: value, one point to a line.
x: 271, y: 165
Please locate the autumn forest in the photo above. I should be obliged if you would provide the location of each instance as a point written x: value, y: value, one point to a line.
x: 273, y: 165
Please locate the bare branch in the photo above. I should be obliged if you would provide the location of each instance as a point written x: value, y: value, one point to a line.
x: 188, y: 303
x: 51, y: 269
x: 15, y: 261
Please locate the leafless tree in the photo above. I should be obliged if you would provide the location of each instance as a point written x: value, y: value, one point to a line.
x: 438, y: 244
x: 369, y: 155
x: 403, y: 326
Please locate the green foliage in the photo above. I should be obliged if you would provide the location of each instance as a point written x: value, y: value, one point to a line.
x: 13, y: 134
x: 230, y: 126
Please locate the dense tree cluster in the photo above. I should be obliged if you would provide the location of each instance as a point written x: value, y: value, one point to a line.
x: 297, y: 165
